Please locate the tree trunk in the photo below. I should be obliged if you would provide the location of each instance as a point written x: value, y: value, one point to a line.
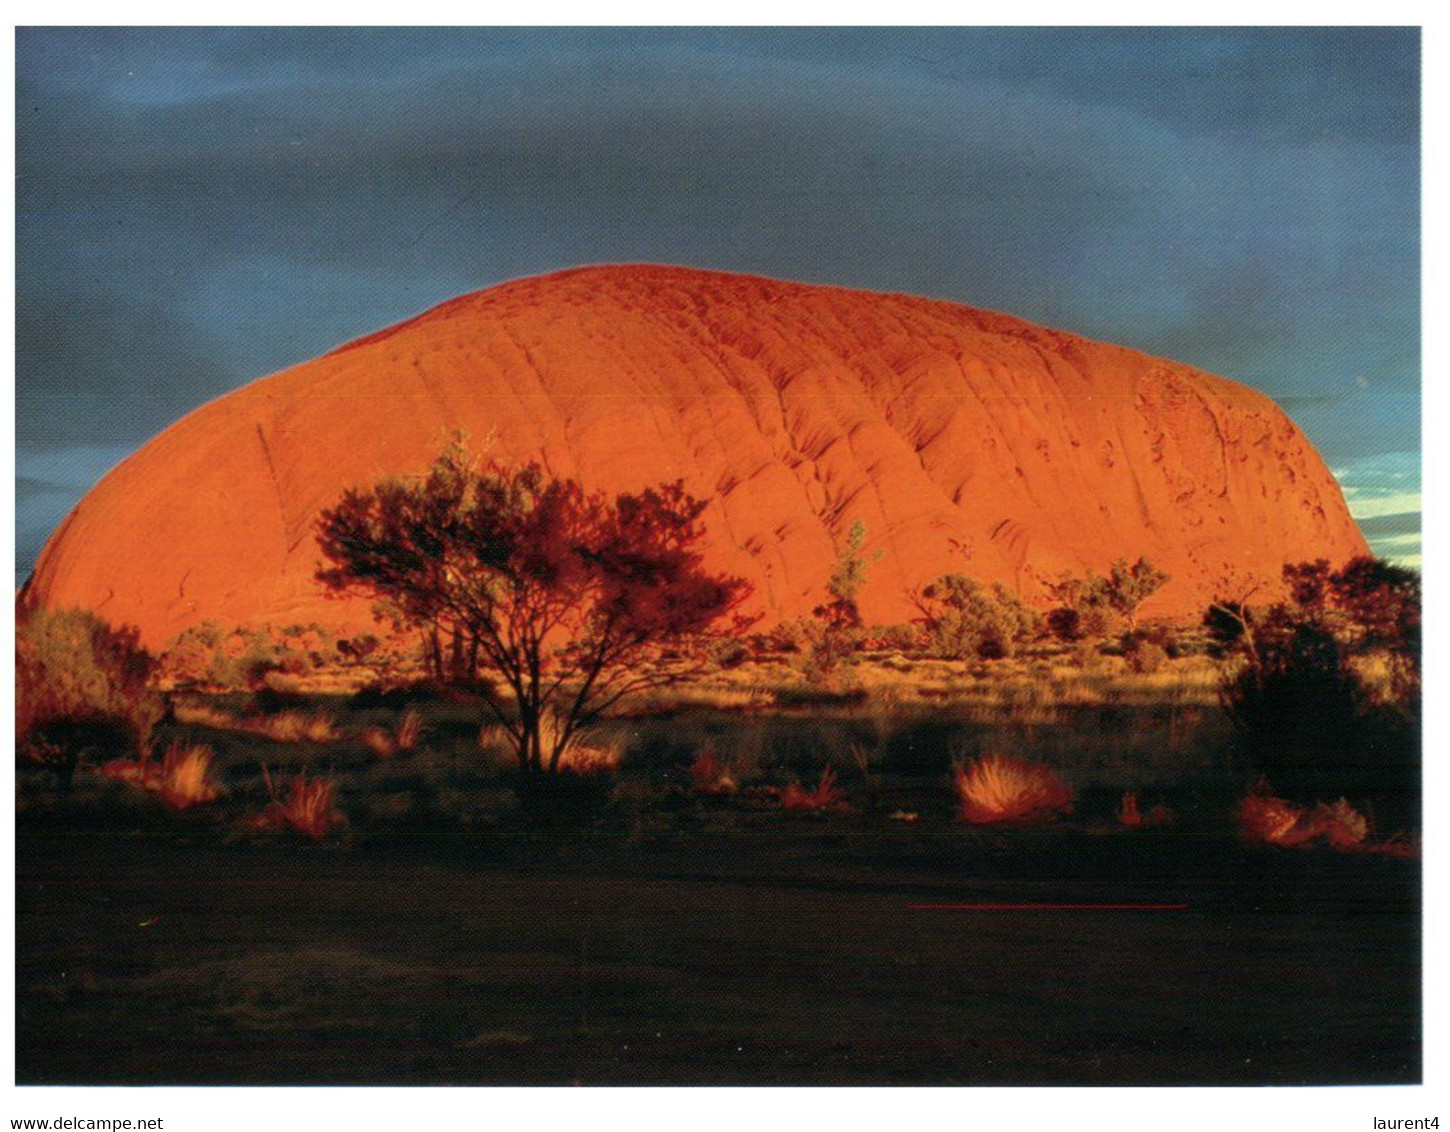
x: 456, y: 674
x: 433, y: 651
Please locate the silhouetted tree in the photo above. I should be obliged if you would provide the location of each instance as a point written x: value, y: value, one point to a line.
x: 1304, y: 713
x: 570, y: 597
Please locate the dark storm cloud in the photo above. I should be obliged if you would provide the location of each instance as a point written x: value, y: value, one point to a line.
x: 125, y: 367
x: 197, y: 207
x: 225, y: 206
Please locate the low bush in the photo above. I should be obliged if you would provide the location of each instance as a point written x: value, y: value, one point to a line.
x: 81, y: 687
x: 1144, y: 656
x: 1301, y: 691
x: 964, y: 620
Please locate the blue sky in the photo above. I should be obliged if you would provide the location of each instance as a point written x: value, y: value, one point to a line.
x: 198, y: 207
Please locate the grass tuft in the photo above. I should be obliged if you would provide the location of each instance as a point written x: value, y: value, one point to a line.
x: 181, y: 779
x: 826, y: 796
x: 709, y: 775
x: 308, y: 808
x: 998, y: 788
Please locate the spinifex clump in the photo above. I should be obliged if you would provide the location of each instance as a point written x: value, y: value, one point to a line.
x: 709, y: 775
x: 309, y: 808
x: 826, y: 796
x: 997, y: 788
x: 181, y: 779
x: 1270, y: 820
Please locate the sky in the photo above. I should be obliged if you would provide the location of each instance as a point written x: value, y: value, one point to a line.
x: 199, y: 207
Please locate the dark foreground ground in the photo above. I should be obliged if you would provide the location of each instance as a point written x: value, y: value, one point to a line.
x: 795, y: 958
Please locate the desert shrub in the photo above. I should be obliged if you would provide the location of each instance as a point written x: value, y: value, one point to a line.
x: 788, y: 636
x: 1096, y: 598
x: 356, y: 650
x: 80, y: 686
x: 294, y: 726
x: 1089, y: 622
x: 1159, y: 633
x: 243, y: 659
x: 898, y: 638
x: 404, y: 737
x: 847, y: 579
x: 1269, y: 820
x: 1300, y: 713
x: 409, y: 730
x: 830, y: 651
x: 592, y: 751
x: 1144, y: 654
x: 246, y: 656
x: 1225, y: 624
x: 379, y: 742
x: 727, y: 653
x: 1303, y: 713
x: 962, y: 619
x: 188, y: 658
x: 836, y: 634
x: 1065, y: 623
x: 199, y: 714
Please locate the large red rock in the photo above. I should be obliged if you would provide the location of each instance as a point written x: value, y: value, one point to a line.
x: 966, y: 440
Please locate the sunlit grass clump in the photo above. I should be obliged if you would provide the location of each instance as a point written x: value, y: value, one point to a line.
x: 296, y: 727
x: 581, y: 753
x: 308, y: 807
x: 997, y: 788
x: 1269, y: 820
x: 204, y: 715
x: 181, y: 779
x: 404, y: 737
x: 586, y: 758
x: 291, y: 726
x: 708, y: 775
x: 826, y: 796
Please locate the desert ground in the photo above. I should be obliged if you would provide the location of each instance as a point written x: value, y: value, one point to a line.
x: 691, y: 906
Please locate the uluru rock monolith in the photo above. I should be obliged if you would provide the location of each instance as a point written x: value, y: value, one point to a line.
x: 967, y: 441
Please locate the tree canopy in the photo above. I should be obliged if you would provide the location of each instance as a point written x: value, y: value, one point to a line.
x: 569, y: 597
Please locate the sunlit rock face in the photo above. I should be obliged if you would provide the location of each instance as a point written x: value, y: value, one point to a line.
x: 965, y: 440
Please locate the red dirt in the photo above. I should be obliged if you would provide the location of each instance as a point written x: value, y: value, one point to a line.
x: 966, y: 440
